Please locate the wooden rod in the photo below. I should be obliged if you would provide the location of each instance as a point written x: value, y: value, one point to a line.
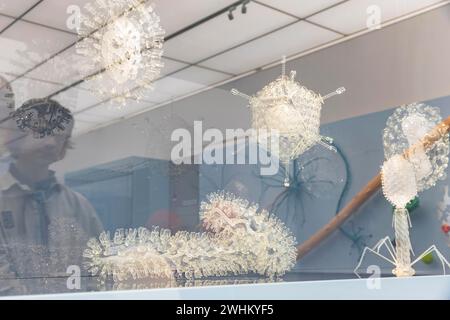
x: 372, y: 186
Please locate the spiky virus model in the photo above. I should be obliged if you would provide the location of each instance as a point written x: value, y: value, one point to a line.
x: 123, y: 40
x: 240, y: 240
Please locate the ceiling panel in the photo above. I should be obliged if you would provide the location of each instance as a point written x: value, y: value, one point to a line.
x: 86, y: 118
x: 171, y: 20
x: 180, y: 83
x: 298, y: 8
x: 352, y: 16
x: 272, y: 47
x: 82, y: 126
x: 93, y: 84
x: 66, y: 68
x: 69, y: 67
x: 15, y: 7
x: 25, y: 89
x: 7, y: 76
x: 176, y: 14
x: 220, y: 33
x: 5, y: 21
x: 200, y: 76
x: 14, y: 55
x: 31, y: 44
x: 60, y: 13
x: 14, y: 58
x: 78, y: 66
x: 188, y: 80
x: 171, y: 66
x: 155, y: 94
x: 77, y: 99
x: 113, y: 110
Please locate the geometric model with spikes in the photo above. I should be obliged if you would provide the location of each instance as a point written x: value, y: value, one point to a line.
x: 292, y: 111
x: 403, y: 175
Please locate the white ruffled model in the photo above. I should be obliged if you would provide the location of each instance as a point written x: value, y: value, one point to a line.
x: 240, y: 240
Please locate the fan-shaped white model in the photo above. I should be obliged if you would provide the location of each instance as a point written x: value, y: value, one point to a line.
x: 404, y: 174
x: 291, y: 111
x: 123, y: 41
x: 240, y: 240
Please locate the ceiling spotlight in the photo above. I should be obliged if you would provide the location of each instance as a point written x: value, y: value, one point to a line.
x: 244, y: 6
x: 230, y: 13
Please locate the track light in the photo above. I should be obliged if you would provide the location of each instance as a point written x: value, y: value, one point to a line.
x: 230, y: 13
x: 244, y: 6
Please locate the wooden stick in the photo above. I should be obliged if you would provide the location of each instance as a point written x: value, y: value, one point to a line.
x: 365, y: 194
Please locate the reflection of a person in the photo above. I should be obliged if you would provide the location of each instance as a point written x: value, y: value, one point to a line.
x: 6, y: 107
x: 44, y: 226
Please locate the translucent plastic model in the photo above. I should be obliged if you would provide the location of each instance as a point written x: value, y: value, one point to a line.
x: 410, y: 168
x: 240, y: 240
x: 293, y: 112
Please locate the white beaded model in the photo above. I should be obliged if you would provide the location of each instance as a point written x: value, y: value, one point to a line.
x: 240, y: 241
x: 292, y: 111
x: 123, y: 40
x: 404, y: 174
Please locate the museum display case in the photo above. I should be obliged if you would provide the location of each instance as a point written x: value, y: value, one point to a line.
x: 224, y: 149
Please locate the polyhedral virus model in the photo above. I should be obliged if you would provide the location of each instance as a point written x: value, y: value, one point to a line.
x: 291, y: 111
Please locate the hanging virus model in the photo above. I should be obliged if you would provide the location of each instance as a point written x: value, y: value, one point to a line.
x: 240, y: 240
x: 291, y: 111
x: 124, y: 42
x: 404, y: 174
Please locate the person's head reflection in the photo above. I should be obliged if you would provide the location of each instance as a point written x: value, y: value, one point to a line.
x: 7, y: 103
x: 41, y: 137
x: 6, y: 98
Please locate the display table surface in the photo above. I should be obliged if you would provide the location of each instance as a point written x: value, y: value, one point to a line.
x: 420, y: 287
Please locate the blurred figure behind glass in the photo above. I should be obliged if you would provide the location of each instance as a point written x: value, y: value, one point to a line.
x: 7, y: 104
x: 44, y: 225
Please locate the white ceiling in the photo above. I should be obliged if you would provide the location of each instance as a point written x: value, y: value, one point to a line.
x: 176, y: 14
x: 271, y: 47
x: 300, y: 10
x: 4, y: 21
x: 15, y: 8
x: 220, y: 34
x: 351, y: 16
x: 38, y: 49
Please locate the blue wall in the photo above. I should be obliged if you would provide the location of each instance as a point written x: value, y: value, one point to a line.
x: 329, y: 181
